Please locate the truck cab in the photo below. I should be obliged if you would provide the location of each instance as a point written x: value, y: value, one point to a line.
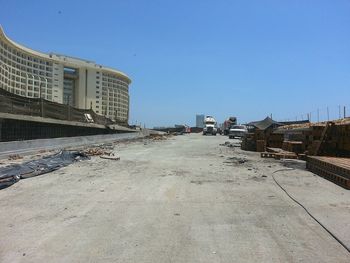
x: 209, y: 126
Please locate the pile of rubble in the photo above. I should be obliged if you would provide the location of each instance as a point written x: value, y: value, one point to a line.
x: 102, y: 152
x: 159, y: 137
x: 228, y: 144
x: 95, y: 151
x: 14, y: 157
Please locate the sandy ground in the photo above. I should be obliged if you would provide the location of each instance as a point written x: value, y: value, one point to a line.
x: 186, y: 199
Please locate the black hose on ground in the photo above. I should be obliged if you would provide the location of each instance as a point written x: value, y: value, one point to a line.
x: 307, y: 211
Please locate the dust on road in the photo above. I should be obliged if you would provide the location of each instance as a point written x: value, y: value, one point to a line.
x: 185, y: 199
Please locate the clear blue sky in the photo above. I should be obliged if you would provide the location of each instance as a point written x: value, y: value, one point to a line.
x: 242, y: 58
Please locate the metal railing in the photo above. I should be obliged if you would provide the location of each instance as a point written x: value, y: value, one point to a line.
x: 15, y: 104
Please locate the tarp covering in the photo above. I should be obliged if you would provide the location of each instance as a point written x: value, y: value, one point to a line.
x: 12, y: 173
x: 265, y: 123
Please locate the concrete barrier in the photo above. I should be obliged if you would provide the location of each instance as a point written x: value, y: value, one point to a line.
x: 33, y: 146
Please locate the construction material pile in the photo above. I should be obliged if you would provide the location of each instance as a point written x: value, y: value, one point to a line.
x: 324, y: 138
x: 96, y: 151
x: 323, y: 145
x: 249, y: 142
x: 13, y: 157
x: 333, y: 169
x: 104, y: 151
x: 159, y: 137
x: 332, y: 139
x: 345, y: 121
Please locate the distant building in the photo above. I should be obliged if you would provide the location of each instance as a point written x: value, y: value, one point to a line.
x: 200, y: 120
x: 80, y: 83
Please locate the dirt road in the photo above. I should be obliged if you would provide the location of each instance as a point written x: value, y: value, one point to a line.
x: 186, y: 199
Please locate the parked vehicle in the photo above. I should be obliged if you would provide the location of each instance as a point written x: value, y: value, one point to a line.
x: 209, y: 126
x: 183, y: 128
x: 187, y: 129
x: 228, y: 123
x: 237, y: 131
x: 219, y: 130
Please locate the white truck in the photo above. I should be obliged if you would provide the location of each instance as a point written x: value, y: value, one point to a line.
x: 209, y: 126
x: 237, y: 131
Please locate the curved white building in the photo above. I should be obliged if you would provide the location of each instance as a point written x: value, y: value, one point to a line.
x: 82, y: 84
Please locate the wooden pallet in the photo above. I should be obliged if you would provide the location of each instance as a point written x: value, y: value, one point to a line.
x: 333, y: 169
x: 286, y: 155
x: 267, y: 155
x: 274, y: 150
x: 278, y: 154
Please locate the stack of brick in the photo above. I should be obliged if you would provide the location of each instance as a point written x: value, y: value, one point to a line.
x: 260, y: 145
x: 249, y: 142
x: 275, y: 140
x: 332, y: 168
x: 294, y: 146
x: 343, y: 134
x: 335, y: 143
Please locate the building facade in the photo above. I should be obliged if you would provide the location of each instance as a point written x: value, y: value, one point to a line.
x: 80, y: 83
x: 200, y: 120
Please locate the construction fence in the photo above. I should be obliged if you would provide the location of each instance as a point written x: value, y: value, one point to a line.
x: 15, y: 104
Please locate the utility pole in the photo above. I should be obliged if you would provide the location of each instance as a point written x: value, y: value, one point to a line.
x: 344, y: 113
x: 327, y: 113
x: 318, y: 115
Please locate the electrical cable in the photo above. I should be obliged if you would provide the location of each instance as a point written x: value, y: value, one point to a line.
x: 307, y: 211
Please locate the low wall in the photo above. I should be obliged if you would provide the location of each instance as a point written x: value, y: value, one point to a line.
x: 33, y: 146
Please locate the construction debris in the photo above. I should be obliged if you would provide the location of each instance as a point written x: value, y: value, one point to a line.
x: 110, y: 157
x: 159, y: 137
x: 95, y: 151
x: 227, y: 144
x: 15, y: 157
